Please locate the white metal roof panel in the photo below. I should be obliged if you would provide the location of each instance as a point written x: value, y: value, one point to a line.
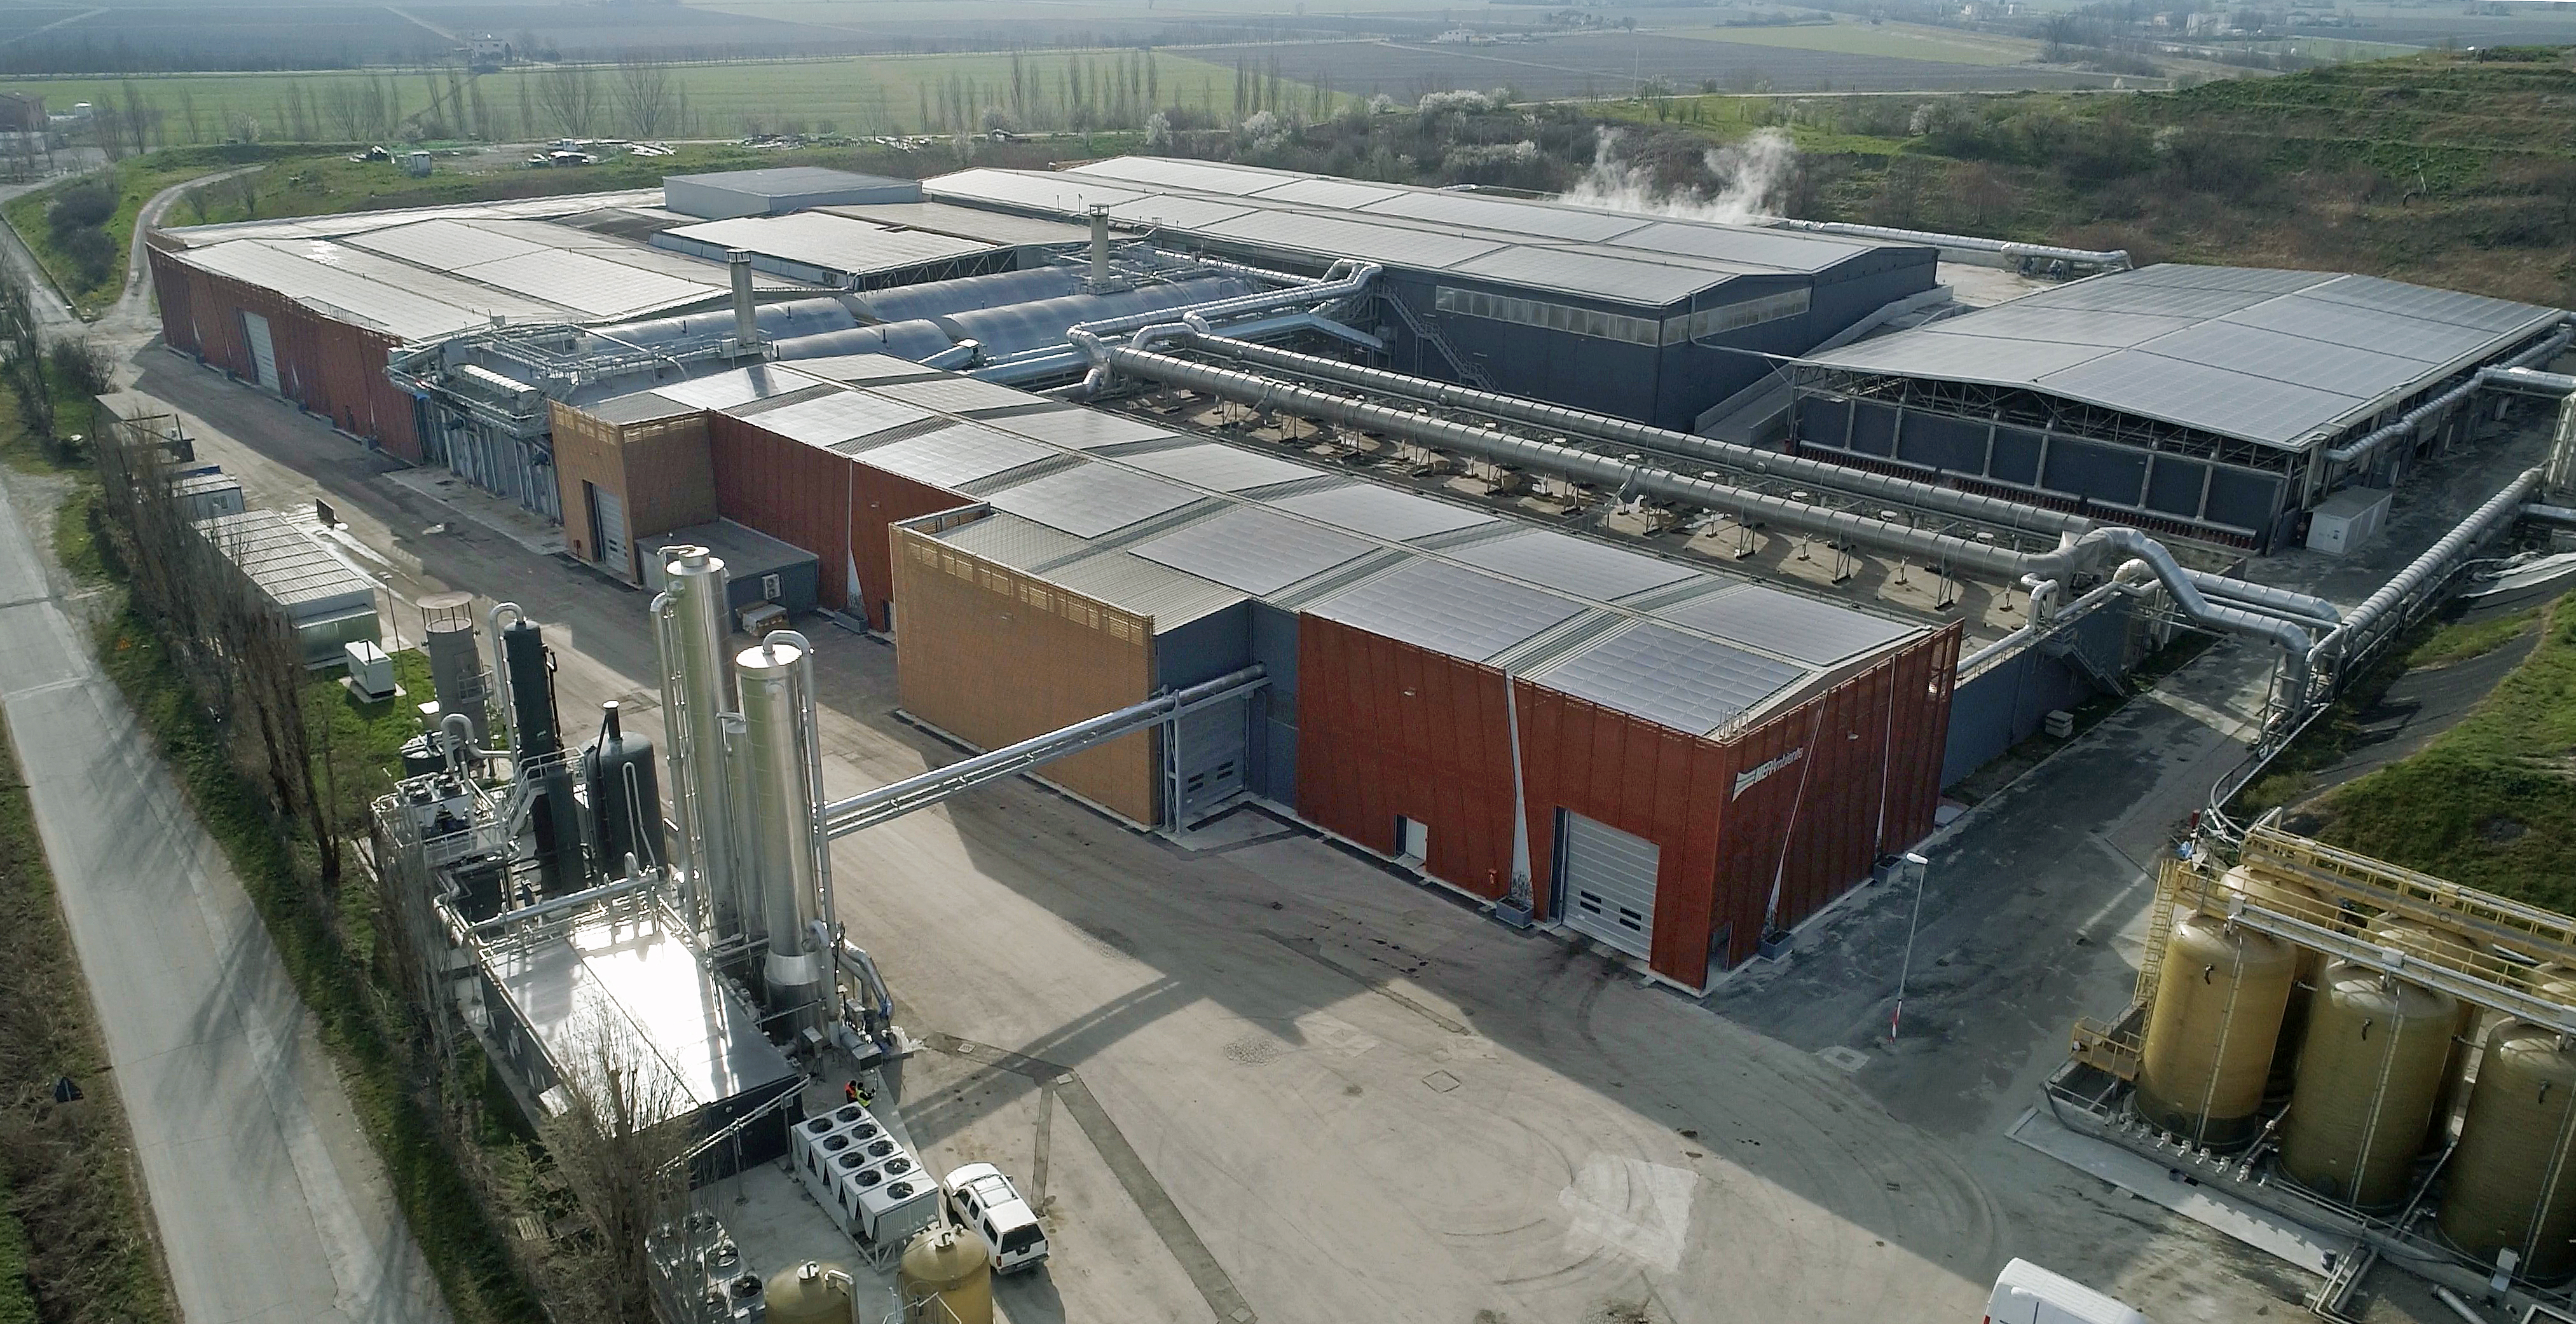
x: 862, y: 368
x: 1448, y: 609
x: 835, y: 243
x: 1653, y: 284
x: 2284, y: 357
x: 2235, y: 404
x: 1508, y: 216
x: 2363, y: 328
x: 1092, y: 499
x: 1007, y: 539
x: 1224, y: 468
x: 2158, y: 300
x: 1745, y: 244
x: 1668, y: 677
x: 1336, y: 193
x: 841, y: 416
x: 2424, y: 304
x: 1385, y: 512
x: 1063, y: 192
x: 593, y: 284
x: 724, y: 390
x: 443, y: 244
x: 1576, y: 565
x: 990, y: 227
x: 2019, y: 320
x: 403, y: 301
x: 1958, y: 353
x: 956, y: 454
x: 1080, y: 429
x: 1255, y: 550
x: 1132, y: 583
x: 1178, y: 210
x: 1333, y: 236
x: 2258, y: 280
x: 1201, y: 175
x: 958, y: 394
x: 1821, y: 633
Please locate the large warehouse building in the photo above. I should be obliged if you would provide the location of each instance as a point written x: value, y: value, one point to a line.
x: 1675, y: 759
x: 2217, y: 403
x: 1652, y: 318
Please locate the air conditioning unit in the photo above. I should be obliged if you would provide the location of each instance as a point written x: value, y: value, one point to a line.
x: 371, y: 673
x: 760, y: 618
x: 769, y: 588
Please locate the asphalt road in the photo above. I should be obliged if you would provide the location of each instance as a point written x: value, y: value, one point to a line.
x: 269, y: 1202
x: 1368, y: 1102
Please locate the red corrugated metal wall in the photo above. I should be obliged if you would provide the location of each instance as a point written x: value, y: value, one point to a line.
x: 798, y: 494
x: 879, y: 499
x: 1386, y: 729
x: 330, y: 368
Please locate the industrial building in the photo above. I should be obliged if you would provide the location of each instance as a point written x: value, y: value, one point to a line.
x: 2217, y: 403
x: 1656, y: 319
x: 327, y: 601
x: 1671, y: 759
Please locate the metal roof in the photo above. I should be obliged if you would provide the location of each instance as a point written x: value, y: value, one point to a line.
x: 1576, y: 565
x: 838, y: 417
x: 1007, y: 539
x: 1065, y: 192
x: 779, y: 180
x: 863, y: 368
x: 1321, y: 192
x: 1335, y: 236
x: 1092, y: 499
x: 724, y: 390
x: 975, y: 223
x: 959, y: 394
x: 1668, y: 676
x: 1446, y: 608
x: 1081, y: 429
x: 444, y: 244
x: 1625, y: 279
x: 2279, y: 358
x: 1386, y: 512
x: 368, y: 289
x: 1505, y: 215
x: 831, y: 242
x: 1224, y: 468
x: 1820, y: 633
x: 956, y: 454
x: 1204, y: 176
x: 593, y: 285
x: 640, y: 407
x: 1178, y: 211
x: 1132, y: 583
x: 1255, y: 550
x: 290, y: 566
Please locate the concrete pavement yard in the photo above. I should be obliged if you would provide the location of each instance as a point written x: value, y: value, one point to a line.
x: 269, y: 1203
x: 1368, y: 1102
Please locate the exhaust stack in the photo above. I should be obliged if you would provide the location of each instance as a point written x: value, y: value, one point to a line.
x: 689, y: 620
x: 746, y: 322
x: 785, y: 849
x: 1099, y: 249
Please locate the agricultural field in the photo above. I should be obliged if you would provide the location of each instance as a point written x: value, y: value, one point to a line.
x: 1904, y: 41
x: 1616, y: 64
x: 858, y: 95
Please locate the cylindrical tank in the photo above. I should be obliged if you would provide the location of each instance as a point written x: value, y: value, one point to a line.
x: 2288, y: 897
x: 455, y: 663
x: 532, y: 690
x: 625, y: 796
x: 2419, y: 940
x: 2368, y: 1073
x: 421, y: 757
x: 553, y: 817
x: 2512, y: 1182
x: 2211, y: 1032
x: 811, y: 1293
x: 778, y: 817
x: 698, y: 691
x: 945, y: 1267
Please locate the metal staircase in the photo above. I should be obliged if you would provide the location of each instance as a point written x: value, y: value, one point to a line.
x: 1429, y: 334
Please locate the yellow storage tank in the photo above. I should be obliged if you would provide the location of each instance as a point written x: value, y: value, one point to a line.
x: 946, y: 1267
x: 810, y: 1293
x: 2211, y: 1032
x: 2418, y: 939
x: 2288, y: 896
x: 2368, y: 1074
x: 2512, y: 1182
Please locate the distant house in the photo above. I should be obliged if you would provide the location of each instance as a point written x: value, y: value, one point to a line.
x: 20, y: 113
x: 488, y: 52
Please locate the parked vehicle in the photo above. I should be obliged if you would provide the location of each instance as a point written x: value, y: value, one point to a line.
x: 2028, y: 1294
x: 984, y: 1202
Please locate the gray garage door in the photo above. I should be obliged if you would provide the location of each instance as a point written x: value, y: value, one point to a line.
x: 1209, y: 749
x: 263, y: 349
x: 608, y: 529
x: 1607, y: 880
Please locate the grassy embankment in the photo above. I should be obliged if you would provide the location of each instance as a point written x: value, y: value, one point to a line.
x: 136, y: 179
x: 2490, y: 803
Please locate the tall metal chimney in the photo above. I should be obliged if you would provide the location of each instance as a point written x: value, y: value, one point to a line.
x: 785, y: 850
x: 1099, y: 249
x: 689, y: 618
x: 746, y: 323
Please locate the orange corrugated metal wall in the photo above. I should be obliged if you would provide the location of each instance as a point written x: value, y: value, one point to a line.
x: 879, y: 500
x: 332, y: 369
x: 793, y: 492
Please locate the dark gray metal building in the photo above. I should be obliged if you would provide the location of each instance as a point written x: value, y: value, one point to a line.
x: 2218, y: 403
x: 1650, y: 318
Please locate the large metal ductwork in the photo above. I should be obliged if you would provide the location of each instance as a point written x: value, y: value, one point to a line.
x: 689, y: 622
x: 2518, y: 374
x: 2372, y: 619
x: 2113, y: 259
x: 787, y: 856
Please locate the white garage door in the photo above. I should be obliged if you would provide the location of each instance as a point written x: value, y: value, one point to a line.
x: 263, y: 349
x: 608, y: 510
x: 1208, y: 749
x: 1607, y: 878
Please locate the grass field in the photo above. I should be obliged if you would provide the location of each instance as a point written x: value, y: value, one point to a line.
x: 872, y: 94
x: 1908, y: 41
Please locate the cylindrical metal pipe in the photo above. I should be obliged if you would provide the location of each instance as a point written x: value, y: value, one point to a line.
x: 2513, y: 374
x: 698, y: 690
x: 2115, y: 259
x: 746, y: 313
x: 501, y: 667
x: 779, y: 819
x: 1099, y: 248
x: 2495, y: 511
x: 1581, y: 423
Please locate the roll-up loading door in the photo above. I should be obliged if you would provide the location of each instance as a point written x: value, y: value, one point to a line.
x: 1606, y: 882
x: 1209, y: 749
x: 263, y: 350
x: 608, y: 529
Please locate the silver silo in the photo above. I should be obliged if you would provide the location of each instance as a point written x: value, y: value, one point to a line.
x: 783, y: 838
x: 455, y: 664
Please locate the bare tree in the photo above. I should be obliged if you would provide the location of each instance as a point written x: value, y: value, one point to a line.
x: 645, y: 94
x: 348, y: 110
x: 571, y: 96
x: 140, y: 118
x: 618, y: 1144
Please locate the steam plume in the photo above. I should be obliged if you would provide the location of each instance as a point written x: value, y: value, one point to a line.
x: 1750, y: 176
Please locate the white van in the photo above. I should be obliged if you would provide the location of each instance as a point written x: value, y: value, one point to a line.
x: 985, y: 1203
x: 2028, y: 1294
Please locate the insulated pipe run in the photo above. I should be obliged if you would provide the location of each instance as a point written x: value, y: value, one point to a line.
x: 2514, y: 374
x: 2494, y: 513
x: 1346, y: 279
x: 1576, y: 422
x: 2278, y: 601
x: 2115, y: 259
x: 2060, y: 563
